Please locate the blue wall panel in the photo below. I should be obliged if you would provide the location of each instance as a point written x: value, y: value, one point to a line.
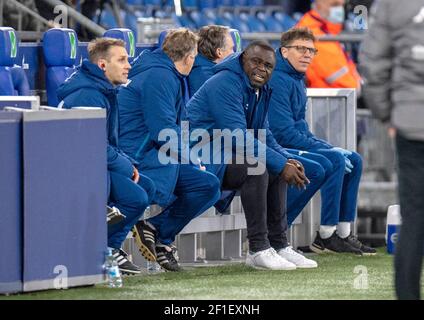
x: 65, y: 197
x: 10, y: 202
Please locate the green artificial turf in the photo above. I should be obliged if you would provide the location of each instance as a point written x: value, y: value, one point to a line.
x: 339, y: 276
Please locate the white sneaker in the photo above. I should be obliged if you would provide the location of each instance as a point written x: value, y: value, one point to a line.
x: 268, y: 259
x: 294, y: 257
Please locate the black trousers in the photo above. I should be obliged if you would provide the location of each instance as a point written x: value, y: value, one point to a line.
x: 264, y: 202
x: 410, y: 246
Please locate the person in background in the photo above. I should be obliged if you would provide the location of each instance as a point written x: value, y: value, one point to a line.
x: 95, y: 84
x: 391, y: 61
x: 215, y: 44
x: 333, y: 67
x: 154, y: 101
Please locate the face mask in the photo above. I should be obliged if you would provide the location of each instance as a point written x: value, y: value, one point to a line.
x: 337, y: 14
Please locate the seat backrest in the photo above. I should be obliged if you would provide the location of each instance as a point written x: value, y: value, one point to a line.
x: 235, y: 35
x: 8, y: 53
x: 60, y: 47
x: 20, y: 81
x: 12, y: 77
x: 127, y: 36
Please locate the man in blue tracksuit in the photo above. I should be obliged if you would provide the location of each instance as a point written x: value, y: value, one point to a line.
x: 235, y: 102
x: 215, y: 44
x: 341, y: 169
x: 151, y: 104
x: 95, y: 84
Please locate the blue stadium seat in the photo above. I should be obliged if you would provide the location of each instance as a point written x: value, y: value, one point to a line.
x: 153, y: 3
x: 201, y: 19
x: 107, y: 19
x: 225, y: 3
x: 229, y: 19
x: 20, y: 81
x: 285, y: 20
x: 189, y: 3
x: 60, y: 47
x: 255, y: 3
x: 124, y: 34
x: 255, y: 25
x: 131, y: 21
x: 235, y: 35
x: 240, y: 3
x: 161, y: 37
x: 135, y: 2
x: 184, y: 21
x: 271, y: 24
x: 13, y: 80
x: 207, y: 4
x: 161, y: 14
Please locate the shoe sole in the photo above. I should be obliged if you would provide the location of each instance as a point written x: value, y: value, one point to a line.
x: 265, y: 269
x: 144, y: 250
x: 129, y: 272
x: 319, y: 250
x: 306, y: 267
x: 368, y: 254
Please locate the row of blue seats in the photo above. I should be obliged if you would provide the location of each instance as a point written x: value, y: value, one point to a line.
x: 201, y: 4
x: 244, y: 21
x: 60, y: 53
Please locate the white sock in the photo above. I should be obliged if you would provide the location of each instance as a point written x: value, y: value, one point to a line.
x: 343, y: 229
x: 326, y: 231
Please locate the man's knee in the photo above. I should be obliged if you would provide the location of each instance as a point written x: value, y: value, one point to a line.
x: 213, y: 185
x: 149, y: 186
x: 356, y: 160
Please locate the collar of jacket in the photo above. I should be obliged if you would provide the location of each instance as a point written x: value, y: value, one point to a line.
x: 202, y: 61
x: 153, y: 59
x: 284, y: 65
x: 92, y: 71
x: 325, y: 25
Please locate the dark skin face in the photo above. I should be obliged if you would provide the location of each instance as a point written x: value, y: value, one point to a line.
x: 258, y: 63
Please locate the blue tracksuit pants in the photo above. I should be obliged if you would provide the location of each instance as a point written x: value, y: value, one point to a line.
x: 131, y: 199
x: 325, y: 168
x: 196, y: 191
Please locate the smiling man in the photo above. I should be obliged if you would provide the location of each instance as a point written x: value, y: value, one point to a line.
x: 236, y: 98
x: 335, y: 171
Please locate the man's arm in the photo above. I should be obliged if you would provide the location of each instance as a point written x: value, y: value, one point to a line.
x: 230, y: 115
x: 116, y: 161
x: 282, y: 123
x: 159, y: 98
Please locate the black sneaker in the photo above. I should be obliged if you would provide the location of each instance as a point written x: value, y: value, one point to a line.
x: 125, y: 265
x: 354, y: 242
x: 167, y: 257
x: 145, y: 238
x: 114, y: 216
x: 333, y: 244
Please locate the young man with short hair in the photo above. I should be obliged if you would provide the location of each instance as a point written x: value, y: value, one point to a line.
x: 95, y: 84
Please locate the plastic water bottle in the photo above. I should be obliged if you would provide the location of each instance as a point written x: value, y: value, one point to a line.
x: 113, y: 276
x: 153, y: 267
x: 394, y: 222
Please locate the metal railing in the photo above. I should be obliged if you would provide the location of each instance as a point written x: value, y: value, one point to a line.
x: 32, y: 35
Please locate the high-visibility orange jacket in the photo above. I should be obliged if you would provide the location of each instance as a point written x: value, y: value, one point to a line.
x: 331, y: 67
